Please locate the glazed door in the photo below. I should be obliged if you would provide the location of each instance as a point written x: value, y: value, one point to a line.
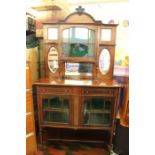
x: 56, y: 110
x: 97, y: 111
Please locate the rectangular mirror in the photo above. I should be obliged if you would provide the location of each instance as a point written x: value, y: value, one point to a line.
x: 78, y: 69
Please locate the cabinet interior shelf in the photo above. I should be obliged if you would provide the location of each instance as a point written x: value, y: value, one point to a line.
x: 99, y: 111
x: 76, y: 140
x: 58, y: 110
x: 78, y: 59
x: 51, y: 125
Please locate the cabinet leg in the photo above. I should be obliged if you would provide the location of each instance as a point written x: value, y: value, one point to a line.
x: 44, y: 138
x: 44, y: 142
x: 40, y: 136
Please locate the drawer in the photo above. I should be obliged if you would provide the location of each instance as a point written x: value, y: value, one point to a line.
x: 99, y: 91
x: 29, y: 104
x: 31, y: 146
x: 54, y: 90
x: 28, y: 78
x: 29, y: 123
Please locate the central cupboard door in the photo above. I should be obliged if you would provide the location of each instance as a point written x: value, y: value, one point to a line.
x: 56, y: 110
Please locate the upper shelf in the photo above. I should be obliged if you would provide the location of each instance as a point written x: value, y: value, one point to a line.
x: 49, y: 5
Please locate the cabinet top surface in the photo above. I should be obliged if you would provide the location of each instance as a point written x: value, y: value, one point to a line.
x: 71, y: 82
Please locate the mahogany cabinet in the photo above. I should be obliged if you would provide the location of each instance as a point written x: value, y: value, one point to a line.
x: 78, y: 91
x: 89, y: 105
x: 31, y: 146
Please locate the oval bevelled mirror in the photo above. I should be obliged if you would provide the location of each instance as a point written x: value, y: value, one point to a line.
x: 104, y: 61
x: 53, y: 60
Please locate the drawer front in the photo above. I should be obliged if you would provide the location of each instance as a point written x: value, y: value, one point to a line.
x: 29, y: 123
x: 54, y: 90
x: 31, y: 146
x: 29, y: 106
x: 99, y: 91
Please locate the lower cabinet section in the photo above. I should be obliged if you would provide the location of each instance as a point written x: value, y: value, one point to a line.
x: 73, y: 109
x: 80, y: 135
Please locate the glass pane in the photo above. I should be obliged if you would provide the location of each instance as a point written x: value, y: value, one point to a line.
x: 45, y: 103
x: 78, y: 35
x: 94, y: 104
x: 65, y: 104
x: 91, y: 36
x: 94, y: 111
x: 65, y: 117
x: 78, y: 69
x: 107, y: 119
x: 106, y: 35
x: 85, y: 67
x: 62, y: 117
x: 94, y: 118
x: 78, y: 50
x: 91, y: 50
x: 66, y: 49
x: 66, y: 35
x: 78, y: 42
x: 108, y: 104
x: 55, y: 102
x: 104, y: 61
x: 52, y: 33
x: 88, y: 105
x: 46, y: 116
x: 97, y: 103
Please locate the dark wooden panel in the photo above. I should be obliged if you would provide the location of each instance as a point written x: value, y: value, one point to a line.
x: 99, y: 91
x: 54, y: 90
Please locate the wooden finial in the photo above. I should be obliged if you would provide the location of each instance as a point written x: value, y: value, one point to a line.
x: 80, y: 10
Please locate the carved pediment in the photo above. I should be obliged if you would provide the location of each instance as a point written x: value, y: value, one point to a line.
x: 79, y: 16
